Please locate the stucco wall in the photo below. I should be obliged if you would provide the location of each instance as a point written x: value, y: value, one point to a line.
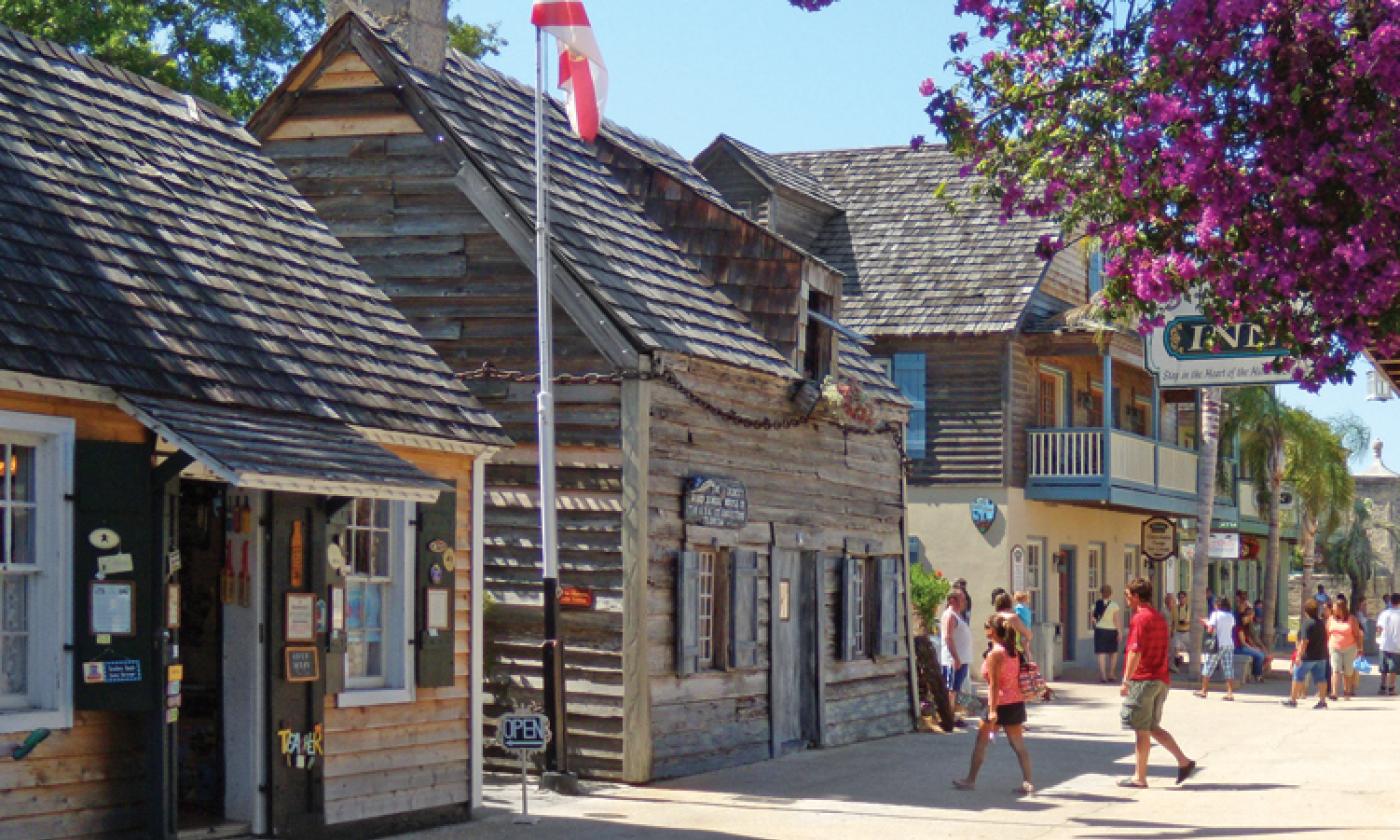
x: 941, y: 518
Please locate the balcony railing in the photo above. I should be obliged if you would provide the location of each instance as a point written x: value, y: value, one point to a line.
x: 1075, y: 464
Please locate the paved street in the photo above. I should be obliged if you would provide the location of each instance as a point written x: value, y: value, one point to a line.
x: 1267, y: 771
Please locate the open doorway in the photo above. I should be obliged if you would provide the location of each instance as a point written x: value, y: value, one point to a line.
x: 218, y: 770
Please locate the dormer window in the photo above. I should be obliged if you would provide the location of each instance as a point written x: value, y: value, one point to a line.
x: 817, y: 352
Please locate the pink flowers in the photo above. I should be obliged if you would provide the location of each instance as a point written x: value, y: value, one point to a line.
x: 927, y: 88
x: 1245, y: 151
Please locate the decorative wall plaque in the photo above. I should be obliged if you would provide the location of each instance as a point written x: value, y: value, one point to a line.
x: 716, y: 502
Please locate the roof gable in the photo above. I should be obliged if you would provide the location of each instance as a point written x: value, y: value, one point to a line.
x: 644, y: 283
x: 147, y: 245
x: 914, y: 265
x: 773, y: 171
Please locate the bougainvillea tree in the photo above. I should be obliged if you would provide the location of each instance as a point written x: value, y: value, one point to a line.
x: 1244, y: 151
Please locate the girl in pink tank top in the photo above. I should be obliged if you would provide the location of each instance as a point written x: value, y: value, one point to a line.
x: 1006, y: 707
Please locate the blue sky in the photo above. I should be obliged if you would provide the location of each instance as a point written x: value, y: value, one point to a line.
x: 786, y: 80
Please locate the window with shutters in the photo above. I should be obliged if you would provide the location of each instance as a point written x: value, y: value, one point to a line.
x: 35, y: 602
x: 375, y: 540
x: 717, y: 622
x: 908, y: 372
x: 1095, y: 271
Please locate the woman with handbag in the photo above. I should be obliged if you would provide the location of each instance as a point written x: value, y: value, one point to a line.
x: 1006, y: 706
x: 1108, y: 626
x: 1343, y: 640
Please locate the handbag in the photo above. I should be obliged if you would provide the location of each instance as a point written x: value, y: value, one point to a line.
x: 1211, y: 644
x: 1032, y: 682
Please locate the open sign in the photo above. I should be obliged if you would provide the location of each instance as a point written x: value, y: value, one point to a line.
x: 523, y: 732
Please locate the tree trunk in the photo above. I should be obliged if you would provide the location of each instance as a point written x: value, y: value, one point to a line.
x: 1307, y: 544
x: 1206, y: 458
x: 1271, y: 564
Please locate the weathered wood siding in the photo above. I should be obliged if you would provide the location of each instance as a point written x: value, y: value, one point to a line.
x: 813, y: 478
x: 762, y: 275
x: 966, y: 398
x: 739, y: 187
x: 391, y: 199
x: 1067, y: 278
x: 403, y: 757
x: 90, y: 780
x: 796, y: 220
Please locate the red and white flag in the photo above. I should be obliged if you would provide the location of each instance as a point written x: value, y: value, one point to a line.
x: 582, y: 75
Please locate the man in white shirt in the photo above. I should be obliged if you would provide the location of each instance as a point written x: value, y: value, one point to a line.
x: 955, y: 645
x: 1221, y: 631
x: 1388, y: 638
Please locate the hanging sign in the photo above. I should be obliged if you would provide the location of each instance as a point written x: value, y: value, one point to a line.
x: 298, y: 556
x: 716, y: 502
x: 112, y: 671
x: 984, y: 513
x: 300, y: 749
x: 1190, y: 351
x: 301, y: 663
x: 575, y: 598
x: 300, y: 623
x: 1158, y: 538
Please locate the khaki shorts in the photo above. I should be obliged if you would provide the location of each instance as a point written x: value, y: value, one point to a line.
x: 1142, y: 708
x: 1343, y: 660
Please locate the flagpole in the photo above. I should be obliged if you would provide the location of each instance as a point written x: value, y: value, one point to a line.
x: 552, y: 651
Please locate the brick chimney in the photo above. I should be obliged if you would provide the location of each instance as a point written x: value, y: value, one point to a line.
x: 418, y: 26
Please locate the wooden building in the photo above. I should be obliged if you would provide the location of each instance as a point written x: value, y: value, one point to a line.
x: 1026, y: 414
x: 731, y: 546
x: 240, y: 497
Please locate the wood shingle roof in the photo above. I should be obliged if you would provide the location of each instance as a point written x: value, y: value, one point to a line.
x: 146, y: 245
x: 917, y: 264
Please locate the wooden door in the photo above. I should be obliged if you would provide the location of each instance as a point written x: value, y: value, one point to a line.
x: 296, y: 709
x: 1067, y: 624
x: 1048, y: 401
x: 787, y: 657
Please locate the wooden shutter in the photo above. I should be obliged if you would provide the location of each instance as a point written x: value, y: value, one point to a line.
x: 437, y: 526
x: 112, y: 489
x: 891, y: 606
x: 851, y: 592
x: 743, y: 610
x: 909, y: 374
x: 687, y: 612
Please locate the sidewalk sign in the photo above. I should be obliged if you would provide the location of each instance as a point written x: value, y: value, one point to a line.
x: 523, y: 733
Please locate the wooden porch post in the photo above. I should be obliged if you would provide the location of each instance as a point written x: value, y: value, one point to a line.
x: 1107, y: 422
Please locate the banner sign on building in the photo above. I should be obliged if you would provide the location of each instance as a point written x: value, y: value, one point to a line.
x: 1158, y: 538
x: 1224, y: 546
x: 715, y: 502
x: 1190, y: 351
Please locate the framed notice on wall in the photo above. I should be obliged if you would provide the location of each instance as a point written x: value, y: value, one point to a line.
x: 301, y: 664
x: 112, y: 608
x: 301, y: 617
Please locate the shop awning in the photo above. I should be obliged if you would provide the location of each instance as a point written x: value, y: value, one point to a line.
x: 261, y: 450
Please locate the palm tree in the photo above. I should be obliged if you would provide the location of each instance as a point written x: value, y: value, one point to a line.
x: 1255, y: 417
x: 1206, y: 458
x: 1317, y: 455
x: 1351, y: 553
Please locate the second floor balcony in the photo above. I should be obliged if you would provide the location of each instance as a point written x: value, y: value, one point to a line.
x: 1111, y: 466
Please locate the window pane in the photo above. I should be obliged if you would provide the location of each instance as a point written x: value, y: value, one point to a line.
x: 362, y: 552
x: 14, y: 604
x: 364, y: 511
x: 374, y: 656
x: 355, y: 606
x: 21, y: 467
x: 374, y: 603
x: 381, y: 513
x: 355, y: 654
x: 380, y: 549
x: 14, y: 664
x: 22, y: 535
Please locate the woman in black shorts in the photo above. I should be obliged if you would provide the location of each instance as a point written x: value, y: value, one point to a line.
x: 1006, y: 707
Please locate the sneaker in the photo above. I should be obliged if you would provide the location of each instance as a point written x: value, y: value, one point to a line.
x: 1321, y: 704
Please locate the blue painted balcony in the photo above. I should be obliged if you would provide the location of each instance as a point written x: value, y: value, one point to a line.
x: 1112, y: 467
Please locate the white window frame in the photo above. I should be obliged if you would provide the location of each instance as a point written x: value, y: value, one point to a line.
x: 1094, y: 563
x: 1035, y: 575
x: 397, y: 684
x: 50, y: 630
x: 1132, y: 564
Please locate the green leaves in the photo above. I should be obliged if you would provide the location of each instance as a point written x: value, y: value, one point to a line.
x: 229, y: 52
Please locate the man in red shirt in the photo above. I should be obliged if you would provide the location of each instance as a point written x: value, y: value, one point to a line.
x: 1146, y: 681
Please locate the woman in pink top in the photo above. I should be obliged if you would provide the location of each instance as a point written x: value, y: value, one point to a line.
x: 1343, y: 637
x: 1006, y: 707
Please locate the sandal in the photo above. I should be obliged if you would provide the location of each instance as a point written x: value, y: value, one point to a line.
x: 964, y: 784
x: 1131, y: 783
x: 1200, y: 694
x: 1228, y: 697
x: 1026, y: 789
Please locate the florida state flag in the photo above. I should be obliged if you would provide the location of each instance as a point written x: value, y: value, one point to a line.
x: 582, y: 75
